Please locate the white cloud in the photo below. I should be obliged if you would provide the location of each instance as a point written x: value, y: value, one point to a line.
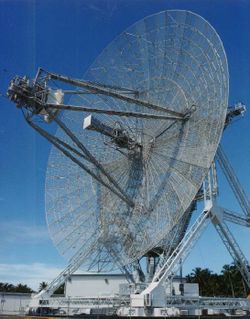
x: 17, y: 232
x: 31, y: 274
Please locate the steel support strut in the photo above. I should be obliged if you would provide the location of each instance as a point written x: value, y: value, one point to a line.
x: 112, y: 112
x: 234, y: 250
x: 94, y: 161
x: 74, y: 264
x: 235, y: 218
x: 63, y: 148
x: 109, y: 91
x: 154, y: 295
x: 233, y: 181
x: 181, y: 252
x: 165, y: 273
x: 167, y: 270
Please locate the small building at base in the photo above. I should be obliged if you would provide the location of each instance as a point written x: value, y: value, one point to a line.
x: 92, y: 285
x: 14, y: 302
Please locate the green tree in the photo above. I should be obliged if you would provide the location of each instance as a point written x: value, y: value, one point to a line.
x: 6, y: 287
x: 228, y: 273
x: 233, y: 279
x: 42, y: 285
x: 228, y: 283
x: 22, y: 288
x: 60, y: 290
x: 205, y: 279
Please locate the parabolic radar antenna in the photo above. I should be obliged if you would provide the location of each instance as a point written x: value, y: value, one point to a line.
x: 167, y: 78
x: 134, y: 140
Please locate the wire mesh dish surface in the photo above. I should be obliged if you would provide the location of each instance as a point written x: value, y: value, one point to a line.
x: 174, y: 60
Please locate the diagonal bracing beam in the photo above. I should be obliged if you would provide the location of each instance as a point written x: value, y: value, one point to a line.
x: 172, y: 264
x: 235, y: 218
x: 65, y: 149
x: 184, y: 248
x: 94, y: 161
x: 74, y: 264
x: 234, y: 250
x: 233, y: 181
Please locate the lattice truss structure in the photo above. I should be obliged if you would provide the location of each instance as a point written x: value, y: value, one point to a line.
x: 134, y: 141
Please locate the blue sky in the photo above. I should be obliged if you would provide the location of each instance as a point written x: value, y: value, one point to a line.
x: 65, y: 37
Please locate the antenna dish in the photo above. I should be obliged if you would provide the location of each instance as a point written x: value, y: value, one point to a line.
x: 171, y: 64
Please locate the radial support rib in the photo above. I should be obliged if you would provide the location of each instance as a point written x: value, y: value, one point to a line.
x: 105, y: 90
x: 113, y: 112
